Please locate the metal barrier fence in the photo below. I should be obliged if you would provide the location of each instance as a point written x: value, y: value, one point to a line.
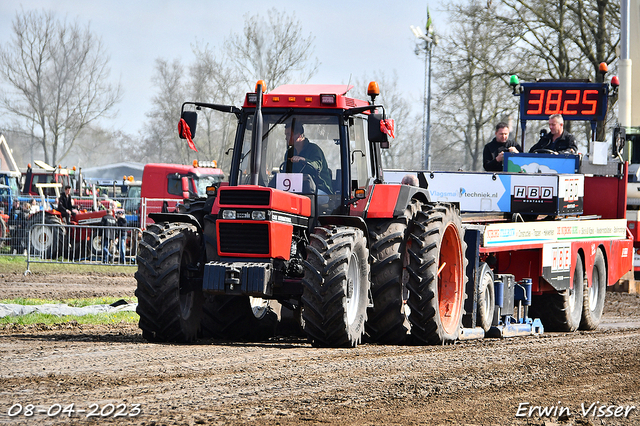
x: 19, y: 214
x: 25, y: 229
x: 157, y: 205
x: 81, y: 244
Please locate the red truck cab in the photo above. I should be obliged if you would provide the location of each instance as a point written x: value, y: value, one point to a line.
x: 165, y: 180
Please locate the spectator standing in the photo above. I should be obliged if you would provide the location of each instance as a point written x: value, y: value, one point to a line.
x: 108, y: 234
x: 122, y: 235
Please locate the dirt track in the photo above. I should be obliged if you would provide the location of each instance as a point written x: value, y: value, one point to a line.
x: 288, y: 382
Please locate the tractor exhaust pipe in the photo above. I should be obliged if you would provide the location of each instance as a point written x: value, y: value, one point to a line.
x: 256, y: 138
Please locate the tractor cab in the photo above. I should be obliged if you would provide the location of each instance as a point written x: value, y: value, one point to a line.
x: 314, y: 141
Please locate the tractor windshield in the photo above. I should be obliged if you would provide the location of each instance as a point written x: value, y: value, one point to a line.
x: 300, y: 153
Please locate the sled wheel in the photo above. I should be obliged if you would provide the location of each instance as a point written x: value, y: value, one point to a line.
x: 593, y: 297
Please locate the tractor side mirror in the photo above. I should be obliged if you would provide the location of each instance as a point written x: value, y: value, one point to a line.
x: 185, y: 187
x: 191, y: 118
x: 376, y: 134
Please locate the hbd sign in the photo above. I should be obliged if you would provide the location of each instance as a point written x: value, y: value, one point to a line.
x: 533, y: 192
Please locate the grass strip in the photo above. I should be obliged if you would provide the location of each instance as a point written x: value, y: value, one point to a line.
x: 48, y: 319
x: 101, y: 318
x: 13, y: 264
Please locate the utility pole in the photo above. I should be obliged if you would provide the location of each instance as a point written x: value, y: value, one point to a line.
x: 425, y: 44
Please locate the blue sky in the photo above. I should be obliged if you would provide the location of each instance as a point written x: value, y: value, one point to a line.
x: 351, y: 38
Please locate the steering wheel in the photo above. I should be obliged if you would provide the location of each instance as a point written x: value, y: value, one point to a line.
x: 544, y: 151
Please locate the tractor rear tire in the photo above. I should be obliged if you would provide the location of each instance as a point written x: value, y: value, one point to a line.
x: 437, y: 277
x: 47, y: 241
x: 336, y: 287
x: 169, y: 292
x: 562, y: 311
x: 593, y: 297
x: 387, y: 321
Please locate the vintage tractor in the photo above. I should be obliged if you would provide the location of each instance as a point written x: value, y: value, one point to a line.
x: 305, y: 226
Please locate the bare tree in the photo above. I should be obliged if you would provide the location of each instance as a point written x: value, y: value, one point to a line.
x: 162, y: 143
x: 473, y: 76
x: 58, y: 78
x: 215, y: 79
x: 274, y: 50
x: 406, y: 148
x: 571, y: 38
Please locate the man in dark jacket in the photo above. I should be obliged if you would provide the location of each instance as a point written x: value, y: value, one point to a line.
x: 122, y: 235
x: 306, y: 157
x: 66, y: 205
x: 557, y: 139
x: 492, y: 156
x: 108, y: 234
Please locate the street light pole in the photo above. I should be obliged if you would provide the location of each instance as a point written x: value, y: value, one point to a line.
x: 426, y: 115
x: 428, y: 136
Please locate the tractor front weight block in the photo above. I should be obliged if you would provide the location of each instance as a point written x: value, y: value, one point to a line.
x: 238, y: 278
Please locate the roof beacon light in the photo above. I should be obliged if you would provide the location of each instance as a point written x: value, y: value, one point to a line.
x: 514, y: 82
x: 195, y: 163
x: 603, y: 68
x: 373, y: 90
x: 263, y: 84
x: 615, y: 81
x: 328, y: 99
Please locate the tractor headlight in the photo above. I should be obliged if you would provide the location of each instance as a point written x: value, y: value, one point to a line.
x: 258, y: 215
x: 229, y: 214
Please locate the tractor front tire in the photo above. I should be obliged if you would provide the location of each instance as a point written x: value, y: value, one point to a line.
x: 336, y: 287
x: 437, y: 278
x: 169, y: 293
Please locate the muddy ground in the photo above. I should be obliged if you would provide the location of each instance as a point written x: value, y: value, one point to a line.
x: 287, y: 382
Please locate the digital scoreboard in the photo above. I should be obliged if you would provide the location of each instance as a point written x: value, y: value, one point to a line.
x: 575, y: 101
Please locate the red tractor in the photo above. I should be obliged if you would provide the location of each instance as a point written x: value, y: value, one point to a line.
x: 307, y: 226
x: 47, y: 236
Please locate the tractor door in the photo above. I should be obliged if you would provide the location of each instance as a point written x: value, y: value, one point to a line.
x: 360, y: 155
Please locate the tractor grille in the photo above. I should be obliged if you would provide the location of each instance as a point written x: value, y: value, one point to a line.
x: 245, y: 197
x: 250, y: 238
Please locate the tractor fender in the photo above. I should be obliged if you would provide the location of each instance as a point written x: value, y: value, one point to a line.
x: 390, y: 200
x: 176, y: 217
x: 353, y: 221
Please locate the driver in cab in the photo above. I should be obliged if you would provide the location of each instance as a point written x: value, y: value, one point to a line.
x: 306, y: 157
x: 557, y: 140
